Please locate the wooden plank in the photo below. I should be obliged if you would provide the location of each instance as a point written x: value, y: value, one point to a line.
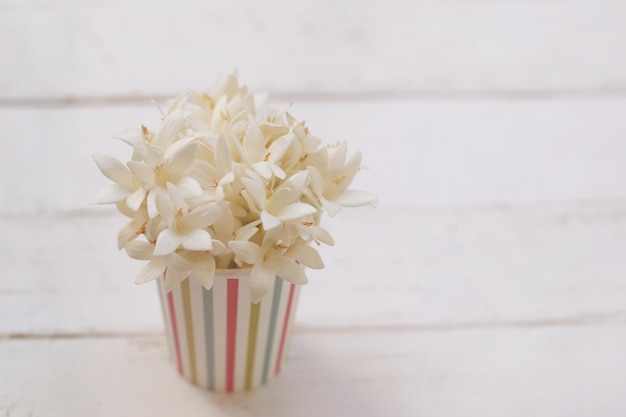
x: 46, y: 158
x: 570, y: 371
x: 112, y: 49
x: 527, y: 266
x: 417, y: 152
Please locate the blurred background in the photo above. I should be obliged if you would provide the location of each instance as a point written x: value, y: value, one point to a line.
x: 493, y: 133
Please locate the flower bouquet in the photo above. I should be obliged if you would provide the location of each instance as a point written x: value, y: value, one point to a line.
x: 229, y: 192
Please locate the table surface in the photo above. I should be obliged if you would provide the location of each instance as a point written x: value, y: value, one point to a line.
x: 488, y: 282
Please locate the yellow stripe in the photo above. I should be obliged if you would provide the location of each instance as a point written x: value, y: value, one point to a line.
x: 252, y: 331
x: 189, y: 330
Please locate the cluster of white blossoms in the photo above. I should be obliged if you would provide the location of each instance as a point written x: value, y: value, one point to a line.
x: 226, y: 181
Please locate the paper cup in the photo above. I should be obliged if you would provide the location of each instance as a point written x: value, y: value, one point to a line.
x: 221, y: 341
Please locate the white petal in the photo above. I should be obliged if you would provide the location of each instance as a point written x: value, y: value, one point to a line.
x: 354, y: 164
x: 204, y: 215
x: 219, y: 248
x: 279, y: 147
x: 225, y: 226
x: 331, y: 207
x: 296, y: 210
x: 151, y: 155
x: 204, y: 272
x: 167, y: 242
x: 306, y: 255
x: 182, y: 160
x: 199, y: 239
x: 151, y: 202
x: 337, y: 158
x: 114, y: 170
x: 312, y: 142
x: 316, y: 180
x: 110, y: 194
x: 168, y: 130
x: 261, y: 280
x: 246, y: 251
x: 189, y: 187
x: 138, y: 249
x: 254, y: 208
x: 222, y: 155
x: 178, y: 103
x: 322, y: 235
x: 144, y: 173
x: 219, y: 193
x: 289, y: 270
x: 178, y: 146
x: 238, y: 210
x: 127, y: 233
x: 204, y: 172
x: 356, y: 198
x: 152, y: 270
x: 297, y: 181
x: 263, y: 169
x: 132, y: 137
x: 254, y: 176
x: 135, y: 200
x: 254, y: 143
x: 227, y: 179
x: 318, y: 158
x: 273, y: 131
x: 177, y: 197
x: 269, y: 221
x: 177, y: 262
x: 236, y: 149
x: 154, y: 226
x: 247, y: 231
x: 125, y: 210
x: 311, y: 198
x: 218, y: 110
x: 281, y: 199
x: 256, y: 190
x: 165, y: 209
x: 173, y: 278
x: 277, y: 171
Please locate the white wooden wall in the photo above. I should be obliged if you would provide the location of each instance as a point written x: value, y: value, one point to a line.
x: 489, y: 282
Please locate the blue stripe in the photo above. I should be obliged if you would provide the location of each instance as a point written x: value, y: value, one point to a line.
x: 278, y: 286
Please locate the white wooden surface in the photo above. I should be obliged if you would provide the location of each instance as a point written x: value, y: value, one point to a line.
x: 73, y: 49
x: 489, y: 282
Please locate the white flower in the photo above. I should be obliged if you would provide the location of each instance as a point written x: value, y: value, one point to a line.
x: 126, y: 188
x: 202, y: 267
x: 227, y: 181
x: 134, y: 228
x: 175, y: 267
x: 215, y: 176
x: 308, y: 230
x: 275, y: 258
x: 185, y: 227
x: 159, y: 169
x: 262, y: 155
x: 331, y: 184
x: 279, y: 205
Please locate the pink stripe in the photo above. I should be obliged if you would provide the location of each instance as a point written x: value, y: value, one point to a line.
x: 231, y: 332
x: 179, y: 360
x: 279, y: 359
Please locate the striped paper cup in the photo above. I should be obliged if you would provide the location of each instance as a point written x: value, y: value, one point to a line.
x: 218, y: 339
